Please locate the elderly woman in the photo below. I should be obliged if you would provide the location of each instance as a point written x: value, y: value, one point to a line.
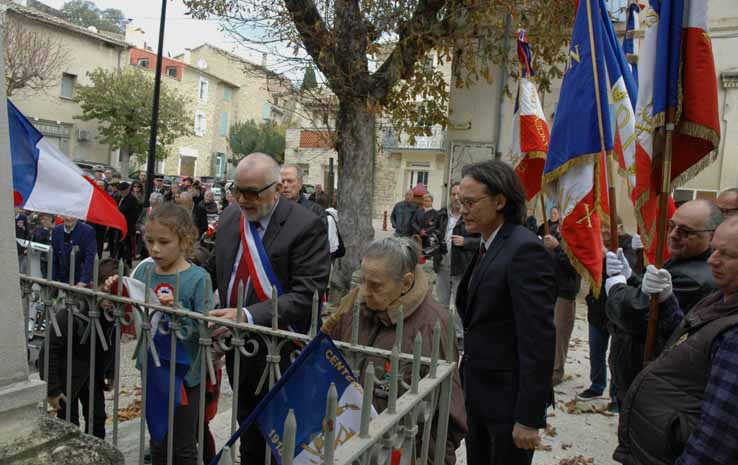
x: 391, y: 279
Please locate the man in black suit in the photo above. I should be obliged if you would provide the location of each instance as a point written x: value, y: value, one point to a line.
x: 296, y: 242
x: 128, y: 206
x: 506, y: 302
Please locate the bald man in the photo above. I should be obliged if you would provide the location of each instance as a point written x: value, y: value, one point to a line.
x: 681, y: 408
x: 727, y: 202
x: 296, y: 244
x: 689, y: 232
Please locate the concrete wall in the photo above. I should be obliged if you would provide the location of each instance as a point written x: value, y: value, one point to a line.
x: 85, y: 55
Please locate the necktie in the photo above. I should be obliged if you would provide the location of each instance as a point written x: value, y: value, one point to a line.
x: 242, y: 274
x: 480, y: 257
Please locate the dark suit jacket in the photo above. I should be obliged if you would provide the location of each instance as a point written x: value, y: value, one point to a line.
x: 82, y: 236
x: 507, y: 309
x: 297, y: 244
x: 200, y: 218
x: 129, y: 207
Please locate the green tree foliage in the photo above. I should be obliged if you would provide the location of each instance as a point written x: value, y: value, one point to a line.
x: 248, y: 137
x: 309, y: 81
x: 122, y: 103
x: 85, y: 13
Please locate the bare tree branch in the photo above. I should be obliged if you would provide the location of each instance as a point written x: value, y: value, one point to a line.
x: 33, y: 60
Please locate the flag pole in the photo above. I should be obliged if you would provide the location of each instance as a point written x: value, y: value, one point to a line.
x: 653, y: 318
x: 603, y: 151
x: 543, y: 209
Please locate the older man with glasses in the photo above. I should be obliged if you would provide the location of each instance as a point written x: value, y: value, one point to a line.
x: 296, y: 245
x: 727, y: 202
x: 690, y: 231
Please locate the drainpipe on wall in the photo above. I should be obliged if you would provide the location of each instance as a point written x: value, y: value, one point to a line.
x: 501, y: 88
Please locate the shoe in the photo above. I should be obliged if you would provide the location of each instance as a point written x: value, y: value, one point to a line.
x: 589, y: 394
x: 612, y: 407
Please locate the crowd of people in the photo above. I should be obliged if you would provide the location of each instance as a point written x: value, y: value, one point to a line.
x: 482, y: 264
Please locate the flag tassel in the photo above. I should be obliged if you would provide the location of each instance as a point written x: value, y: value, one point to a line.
x: 653, y: 318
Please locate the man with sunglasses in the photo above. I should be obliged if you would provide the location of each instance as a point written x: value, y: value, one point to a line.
x: 689, y: 232
x: 296, y: 244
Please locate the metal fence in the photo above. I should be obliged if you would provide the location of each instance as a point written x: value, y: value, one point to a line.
x: 418, y: 390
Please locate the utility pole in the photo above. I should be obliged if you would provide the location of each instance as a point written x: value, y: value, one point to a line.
x: 151, y: 162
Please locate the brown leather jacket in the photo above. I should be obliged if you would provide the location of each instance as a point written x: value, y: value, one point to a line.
x: 377, y: 329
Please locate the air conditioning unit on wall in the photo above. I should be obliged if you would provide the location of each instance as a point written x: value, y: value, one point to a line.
x: 83, y: 135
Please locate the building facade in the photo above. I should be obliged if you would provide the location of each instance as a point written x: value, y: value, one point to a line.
x: 53, y: 110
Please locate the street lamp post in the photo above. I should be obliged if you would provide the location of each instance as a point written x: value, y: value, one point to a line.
x: 151, y: 162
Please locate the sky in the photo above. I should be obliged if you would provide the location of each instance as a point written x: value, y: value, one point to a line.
x: 180, y: 31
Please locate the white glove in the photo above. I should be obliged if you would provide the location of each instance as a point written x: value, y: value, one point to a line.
x: 617, y: 264
x: 636, y: 243
x: 657, y: 282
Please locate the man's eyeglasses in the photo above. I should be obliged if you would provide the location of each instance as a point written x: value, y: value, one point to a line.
x: 470, y: 202
x: 249, y: 193
x: 684, y: 231
x: 729, y: 211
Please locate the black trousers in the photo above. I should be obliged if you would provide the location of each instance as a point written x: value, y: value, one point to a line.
x: 253, y: 445
x: 184, y: 443
x: 487, y: 446
x: 100, y: 233
x: 81, y: 394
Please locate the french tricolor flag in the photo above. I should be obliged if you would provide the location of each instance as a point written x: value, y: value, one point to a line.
x: 530, y: 134
x: 45, y: 180
x: 676, y: 70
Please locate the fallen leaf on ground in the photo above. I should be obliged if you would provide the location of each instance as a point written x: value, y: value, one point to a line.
x: 130, y: 411
x: 550, y: 431
x: 575, y: 407
x: 578, y: 460
x: 565, y: 446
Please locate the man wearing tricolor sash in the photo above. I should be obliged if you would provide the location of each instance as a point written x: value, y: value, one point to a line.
x: 263, y: 242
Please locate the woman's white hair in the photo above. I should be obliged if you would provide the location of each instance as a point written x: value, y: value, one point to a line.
x: 401, y: 255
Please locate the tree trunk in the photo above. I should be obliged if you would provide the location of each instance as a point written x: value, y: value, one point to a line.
x: 355, y: 145
x: 125, y: 159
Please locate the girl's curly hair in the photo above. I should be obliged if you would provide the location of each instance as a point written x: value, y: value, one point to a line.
x: 179, y: 220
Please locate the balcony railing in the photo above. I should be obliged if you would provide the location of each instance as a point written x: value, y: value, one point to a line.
x: 436, y: 141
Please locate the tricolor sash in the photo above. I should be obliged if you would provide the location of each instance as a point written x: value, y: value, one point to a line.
x: 260, y: 270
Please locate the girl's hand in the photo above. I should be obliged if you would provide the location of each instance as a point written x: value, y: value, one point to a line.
x: 167, y: 300
x: 110, y: 283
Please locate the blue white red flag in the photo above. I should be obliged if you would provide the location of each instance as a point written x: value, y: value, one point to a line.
x: 530, y: 135
x: 631, y: 40
x: 676, y: 70
x: 304, y: 388
x: 46, y: 180
x: 260, y: 269
x: 581, y: 138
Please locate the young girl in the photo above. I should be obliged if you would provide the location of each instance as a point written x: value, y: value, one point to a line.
x: 170, y: 239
